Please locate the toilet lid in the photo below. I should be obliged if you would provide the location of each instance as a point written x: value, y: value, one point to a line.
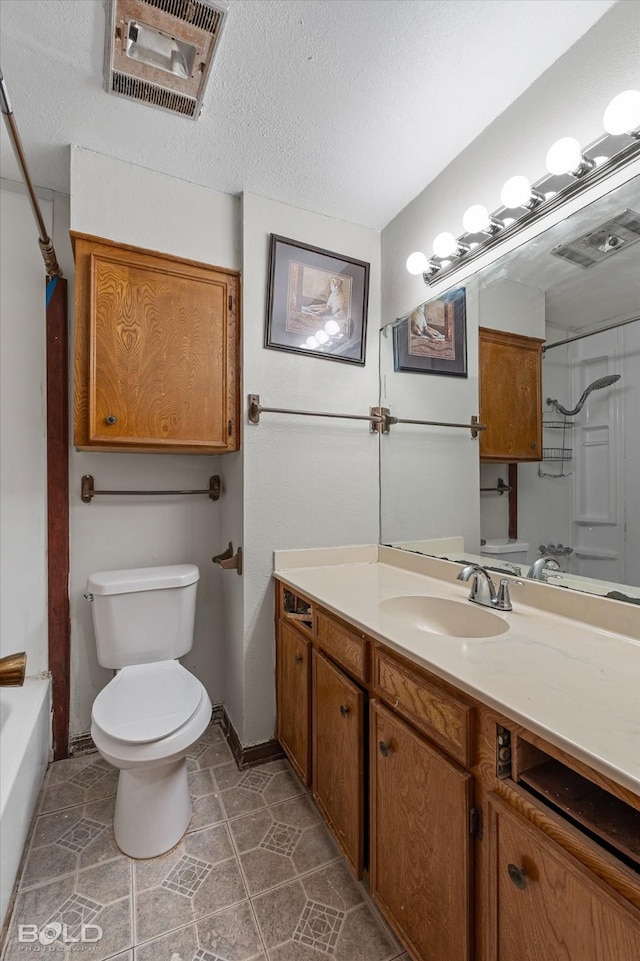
x: 146, y: 702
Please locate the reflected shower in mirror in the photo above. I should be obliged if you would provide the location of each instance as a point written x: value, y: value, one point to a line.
x: 577, y: 288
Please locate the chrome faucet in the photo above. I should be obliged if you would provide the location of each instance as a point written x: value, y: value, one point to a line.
x: 483, y: 590
x: 537, y: 569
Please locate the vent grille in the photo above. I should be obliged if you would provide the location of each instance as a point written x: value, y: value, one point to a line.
x: 146, y: 92
x: 608, y: 238
x: 190, y: 11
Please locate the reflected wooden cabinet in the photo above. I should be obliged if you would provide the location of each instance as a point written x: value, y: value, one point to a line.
x: 510, y: 375
x: 339, y: 756
x: 421, y: 858
x: 545, y: 905
x: 293, y: 680
x: 156, y: 351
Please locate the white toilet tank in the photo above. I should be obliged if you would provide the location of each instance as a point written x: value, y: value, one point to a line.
x: 143, y: 615
x: 505, y: 549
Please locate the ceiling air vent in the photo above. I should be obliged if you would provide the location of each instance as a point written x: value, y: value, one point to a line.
x: 160, y: 52
x: 602, y: 241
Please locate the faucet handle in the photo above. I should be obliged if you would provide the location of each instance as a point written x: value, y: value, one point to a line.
x: 503, y: 600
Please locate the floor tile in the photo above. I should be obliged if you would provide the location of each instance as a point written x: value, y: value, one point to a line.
x: 228, y: 935
x: 77, y: 780
x: 211, y: 750
x: 242, y: 792
x: 99, y: 896
x: 207, y: 809
x: 183, y: 885
x: 321, y: 915
x: 281, y: 842
x: 69, y: 840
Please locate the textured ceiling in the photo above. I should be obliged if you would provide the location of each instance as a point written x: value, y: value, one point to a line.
x: 346, y: 107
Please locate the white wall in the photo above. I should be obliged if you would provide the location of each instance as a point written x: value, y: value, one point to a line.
x: 126, y: 203
x: 307, y: 483
x: 569, y: 98
x: 23, y: 443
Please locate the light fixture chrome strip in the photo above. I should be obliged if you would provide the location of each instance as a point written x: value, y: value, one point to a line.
x: 600, y: 172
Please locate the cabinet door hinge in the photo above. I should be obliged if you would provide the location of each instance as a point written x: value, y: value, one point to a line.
x: 230, y: 428
x: 475, y: 822
x: 230, y: 303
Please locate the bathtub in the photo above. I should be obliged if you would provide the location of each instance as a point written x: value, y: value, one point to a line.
x: 25, y: 739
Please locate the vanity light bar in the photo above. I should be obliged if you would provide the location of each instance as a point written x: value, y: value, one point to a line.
x: 572, y: 171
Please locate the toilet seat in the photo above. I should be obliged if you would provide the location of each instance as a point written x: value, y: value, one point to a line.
x: 147, y: 702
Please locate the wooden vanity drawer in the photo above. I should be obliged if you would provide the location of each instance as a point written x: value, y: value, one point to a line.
x: 444, y: 718
x: 344, y: 644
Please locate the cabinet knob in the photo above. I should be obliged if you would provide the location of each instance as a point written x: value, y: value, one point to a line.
x: 534, y: 445
x: 517, y: 875
x: 299, y: 658
x: 111, y: 419
x: 385, y: 749
x: 344, y: 710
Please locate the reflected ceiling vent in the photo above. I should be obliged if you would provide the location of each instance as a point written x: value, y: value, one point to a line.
x: 614, y: 235
x: 160, y: 52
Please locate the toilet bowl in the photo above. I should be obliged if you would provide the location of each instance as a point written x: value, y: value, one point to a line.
x: 149, y: 716
x: 510, y: 552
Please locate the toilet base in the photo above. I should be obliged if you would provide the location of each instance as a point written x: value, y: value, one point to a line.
x: 153, y: 808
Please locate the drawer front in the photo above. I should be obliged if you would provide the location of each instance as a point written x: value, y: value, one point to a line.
x: 345, y: 645
x: 443, y: 718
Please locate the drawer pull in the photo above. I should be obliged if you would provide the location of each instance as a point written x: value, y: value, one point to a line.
x: 299, y: 658
x: 344, y: 710
x: 517, y: 875
x: 385, y: 749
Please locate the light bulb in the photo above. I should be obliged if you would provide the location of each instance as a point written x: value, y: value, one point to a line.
x: 516, y: 192
x: 476, y: 219
x: 416, y: 262
x: 623, y: 113
x: 312, y: 343
x: 321, y: 336
x: 444, y: 245
x: 564, y: 156
x: 332, y: 327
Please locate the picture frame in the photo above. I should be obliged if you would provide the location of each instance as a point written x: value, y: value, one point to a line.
x: 432, y: 338
x: 317, y: 302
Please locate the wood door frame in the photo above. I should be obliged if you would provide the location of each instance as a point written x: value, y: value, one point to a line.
x: 59, y: 623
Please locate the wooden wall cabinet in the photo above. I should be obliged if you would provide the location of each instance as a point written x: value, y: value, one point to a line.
x: 156, y: 351
x: 510, y: 375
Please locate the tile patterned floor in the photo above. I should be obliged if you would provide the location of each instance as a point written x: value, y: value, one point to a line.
x: 257, y: 877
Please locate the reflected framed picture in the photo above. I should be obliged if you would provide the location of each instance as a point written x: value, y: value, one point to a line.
x: 432, y: 339
x: 316, y: 302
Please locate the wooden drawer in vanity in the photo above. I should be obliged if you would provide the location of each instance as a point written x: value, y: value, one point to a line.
x: 346, y: 645
x: 444, y: 717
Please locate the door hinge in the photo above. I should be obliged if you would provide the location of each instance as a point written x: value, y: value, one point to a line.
x: 475, y: 822
x: 230, y: 303
x: 230, y: 428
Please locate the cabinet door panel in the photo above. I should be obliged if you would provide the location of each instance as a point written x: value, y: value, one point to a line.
x: 421, y: 875
x: 338, y: 756
x: 545, y: 905
x: 293, y: 678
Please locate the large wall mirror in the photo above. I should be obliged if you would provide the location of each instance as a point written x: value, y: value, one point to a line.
x: 577, y: 287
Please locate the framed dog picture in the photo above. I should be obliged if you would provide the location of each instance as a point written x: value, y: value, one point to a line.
x: 316, y: 302
x: 432, y: 339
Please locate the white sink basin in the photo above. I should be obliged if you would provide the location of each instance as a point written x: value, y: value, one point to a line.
x: 440, y: 615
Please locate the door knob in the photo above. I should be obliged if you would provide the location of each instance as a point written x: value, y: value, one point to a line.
x: 111, y: 419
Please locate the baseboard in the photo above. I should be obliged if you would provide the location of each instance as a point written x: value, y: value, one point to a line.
x: 244, y: 757
x: 253, y: 754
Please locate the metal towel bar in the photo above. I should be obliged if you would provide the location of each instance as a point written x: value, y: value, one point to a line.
x: 88, y: 491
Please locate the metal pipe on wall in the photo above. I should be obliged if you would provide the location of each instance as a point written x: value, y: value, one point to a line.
x: 45, y: 242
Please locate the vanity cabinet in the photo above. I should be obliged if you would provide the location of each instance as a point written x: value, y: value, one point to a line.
x: 510, y: 376
x: 545, y: 905
x: 338, y: 707
x: 421, y: 858
x: 156, y: 351
x: 293, y: 688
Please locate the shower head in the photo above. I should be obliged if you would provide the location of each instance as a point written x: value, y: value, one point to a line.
x: 596, y: 385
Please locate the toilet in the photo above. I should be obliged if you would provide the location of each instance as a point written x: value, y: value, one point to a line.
x: 146, y: 720
x: 505, y: 550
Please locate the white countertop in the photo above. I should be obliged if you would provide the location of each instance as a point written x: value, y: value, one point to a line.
x: 572, y: 683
